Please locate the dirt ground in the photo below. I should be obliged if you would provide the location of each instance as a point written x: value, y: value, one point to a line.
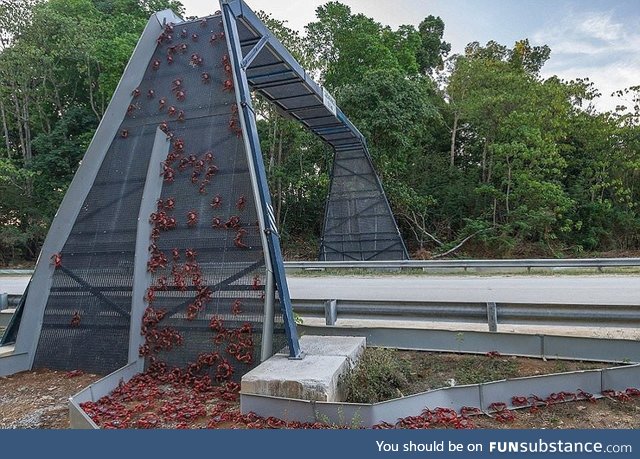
x: 605, y: 413
x: 430, y: 370
x: 38, y: 399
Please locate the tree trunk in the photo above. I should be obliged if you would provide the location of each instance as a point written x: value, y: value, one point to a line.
x: 46, y: 124
x: 508, y: 186
x: 454, y: 132
x: 489, y: 166
x: 19, y: 120
x: 484, y: 162
x: 272, y: 150
x: 26, y: 119
x: 26, y: 122
x: 495, y: 211
x: 5, y: 128
x: 91, y: 96
x: 56, y: 93
x: 279, y: 182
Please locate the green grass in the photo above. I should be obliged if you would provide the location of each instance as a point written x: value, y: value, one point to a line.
x: 384, y: 374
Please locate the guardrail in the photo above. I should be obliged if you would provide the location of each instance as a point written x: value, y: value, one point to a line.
x: 597, y: 263
x: 489, y: 313
x: 9, y: 301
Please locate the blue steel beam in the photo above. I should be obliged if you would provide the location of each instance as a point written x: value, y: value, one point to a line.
x: 250, y: 131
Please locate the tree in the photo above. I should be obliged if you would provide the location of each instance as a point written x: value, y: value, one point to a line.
x: 347, y: 45
x: 60, y: 62
x: 514, y: 124
x: 433, y: 49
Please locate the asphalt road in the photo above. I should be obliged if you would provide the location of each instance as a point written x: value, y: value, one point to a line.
x: 526, y: 289
x: 592, y: 289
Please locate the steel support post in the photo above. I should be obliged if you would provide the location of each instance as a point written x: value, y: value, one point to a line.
x: 259, y: 176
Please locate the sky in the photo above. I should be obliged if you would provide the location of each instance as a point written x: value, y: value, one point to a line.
x: 597, y: 39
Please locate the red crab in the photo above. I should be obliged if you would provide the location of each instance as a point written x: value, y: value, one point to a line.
x: 192, y: 218
x: 56, y: 258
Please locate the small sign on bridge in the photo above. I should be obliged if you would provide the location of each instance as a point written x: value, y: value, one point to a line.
x: 329, y: 101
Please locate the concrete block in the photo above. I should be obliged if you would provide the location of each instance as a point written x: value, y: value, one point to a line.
x: 316, y: 377
x: 6, y: 351
x: 313, y: 378
x: 350, y: 347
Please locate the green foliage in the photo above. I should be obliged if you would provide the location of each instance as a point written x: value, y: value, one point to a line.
x: 377, y: 377
x: 346, y: 46
x: 477, y: 153
x: 432, y: 49
x: 60, y: 62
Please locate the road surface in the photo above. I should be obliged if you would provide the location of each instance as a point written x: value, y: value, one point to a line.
x: 524, y: 289
x: 593, y: 289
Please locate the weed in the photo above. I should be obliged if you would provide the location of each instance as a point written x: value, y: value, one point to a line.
x: 560, y: 366
x: 379, y: 376
x: 470, y: 371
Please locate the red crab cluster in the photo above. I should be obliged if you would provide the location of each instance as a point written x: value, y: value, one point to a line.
x: 233, y: 223
x: 239, y: 342
x: 75, y: 319
x: 56, y: 259
x: 164, y: 398
x: 439, y: 417
x: 203, y: 168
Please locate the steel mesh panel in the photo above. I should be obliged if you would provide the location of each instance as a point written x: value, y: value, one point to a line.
x: 222, y: 276
x: 86, y: 319
x: 358, y: 222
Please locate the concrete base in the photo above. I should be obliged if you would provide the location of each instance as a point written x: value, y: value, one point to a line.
x: 316, y: 377
x: 6, y: 351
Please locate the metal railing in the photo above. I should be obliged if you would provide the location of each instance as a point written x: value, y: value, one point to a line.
x: 558, y: 263
x: 596, y: 263
x: 490, y: 313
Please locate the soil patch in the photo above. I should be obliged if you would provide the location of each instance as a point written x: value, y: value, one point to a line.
x: 383, y: 374
x: 38, y: 399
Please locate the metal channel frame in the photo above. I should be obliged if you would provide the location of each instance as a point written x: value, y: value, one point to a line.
x: 141, y: 276
x: 478, y: 395
x: 273, y: 252
x: 83, y: 180
x: 239, y: 9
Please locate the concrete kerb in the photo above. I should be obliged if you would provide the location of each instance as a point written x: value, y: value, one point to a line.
x: 10, y: 362
x: 478, y: 395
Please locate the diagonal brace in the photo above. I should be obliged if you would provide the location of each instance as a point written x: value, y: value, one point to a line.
x: 251, y: 55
